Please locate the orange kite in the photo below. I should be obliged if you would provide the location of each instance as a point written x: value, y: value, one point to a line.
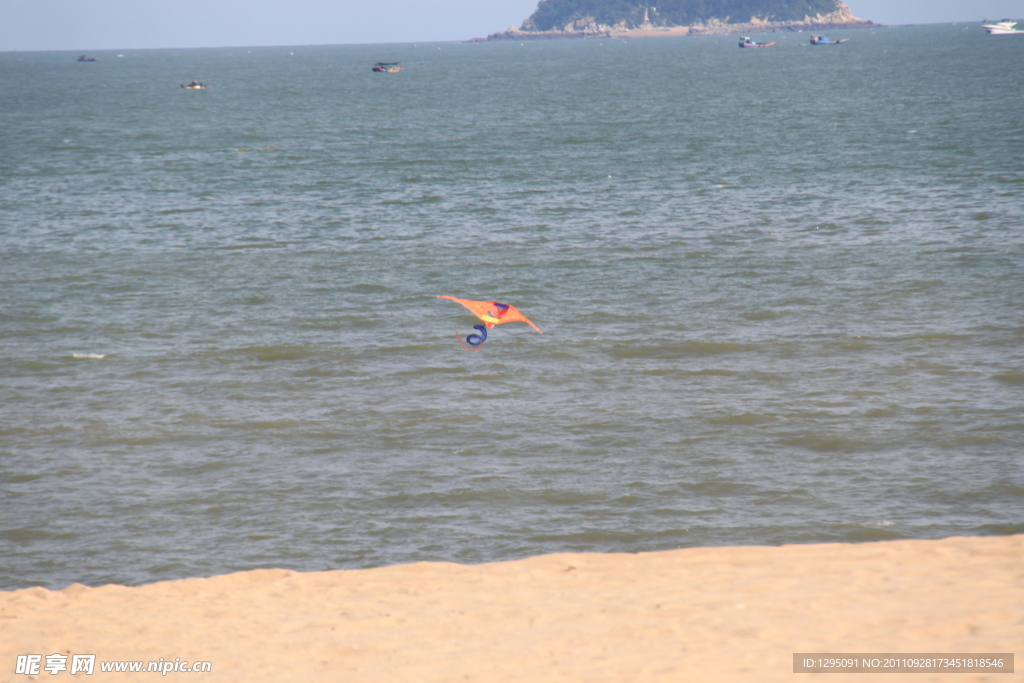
x: 492, y: 313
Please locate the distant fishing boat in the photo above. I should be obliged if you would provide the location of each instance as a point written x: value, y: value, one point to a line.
x: 746, y: 41
x: 825, y: 40
x: 195, y: 85
x: 388, y: 67
x: 1002, y: 28
x: 83, y: 58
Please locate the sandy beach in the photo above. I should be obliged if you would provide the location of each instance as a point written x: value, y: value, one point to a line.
x: 712, y: 614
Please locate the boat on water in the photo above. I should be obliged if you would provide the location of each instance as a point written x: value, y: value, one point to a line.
x: 388, y: 67
x: 84, y: 58
x: 747, y: 41
x: 195, y: 85
x: 1002, y: 28
x: 825, y: 40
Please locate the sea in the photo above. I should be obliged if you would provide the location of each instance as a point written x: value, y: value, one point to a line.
x: 781, y: 294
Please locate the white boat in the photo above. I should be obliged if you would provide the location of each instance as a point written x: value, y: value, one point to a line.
x: 747, y: 41
x: 1002, y: 28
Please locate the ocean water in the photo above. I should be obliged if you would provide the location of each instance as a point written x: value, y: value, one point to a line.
x: 782, y: 296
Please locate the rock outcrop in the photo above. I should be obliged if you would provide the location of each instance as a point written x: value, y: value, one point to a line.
x: 589, y: 27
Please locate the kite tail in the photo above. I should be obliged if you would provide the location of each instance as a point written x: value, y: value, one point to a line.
x: 468, y: 348
x: 474, y: 340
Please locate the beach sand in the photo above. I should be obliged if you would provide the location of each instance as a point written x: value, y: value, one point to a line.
x: 700, y: 614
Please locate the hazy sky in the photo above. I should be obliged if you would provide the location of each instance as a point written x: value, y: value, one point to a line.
x: 137, y: 24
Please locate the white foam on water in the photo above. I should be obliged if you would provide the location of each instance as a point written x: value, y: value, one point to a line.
x: 88, y: 356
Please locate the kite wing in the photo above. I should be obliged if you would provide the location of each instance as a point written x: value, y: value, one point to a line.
x: 492, y: 312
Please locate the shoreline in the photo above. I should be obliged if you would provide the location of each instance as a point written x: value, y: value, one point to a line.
x: 722, y: 614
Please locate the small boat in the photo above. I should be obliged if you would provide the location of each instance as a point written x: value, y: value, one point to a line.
x: 746, y: 41
x: 388, y: 67
x: 195, y: 85
x: 825, y: 40
x: 1002, y: 28
x: 83, y: 58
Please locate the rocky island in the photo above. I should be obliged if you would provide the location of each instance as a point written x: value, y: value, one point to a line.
x: 632, y: 18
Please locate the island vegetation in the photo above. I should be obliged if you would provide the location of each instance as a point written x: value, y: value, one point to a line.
x: 593, y: 18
